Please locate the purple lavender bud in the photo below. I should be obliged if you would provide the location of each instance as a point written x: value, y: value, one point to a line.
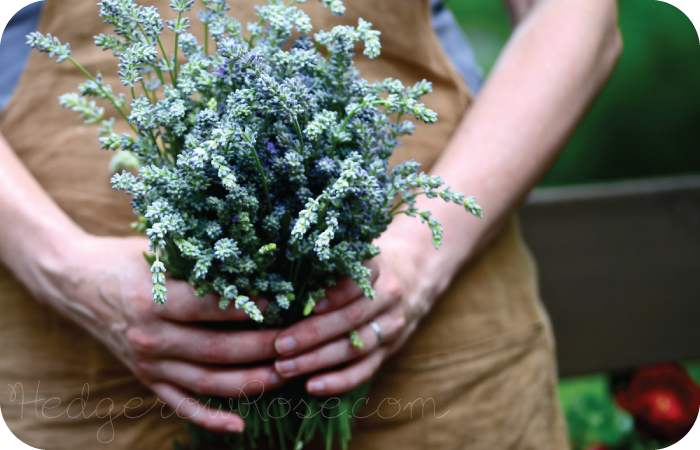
x: 220, y: 71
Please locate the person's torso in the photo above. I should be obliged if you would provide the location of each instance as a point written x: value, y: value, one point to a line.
x: 493, y: 296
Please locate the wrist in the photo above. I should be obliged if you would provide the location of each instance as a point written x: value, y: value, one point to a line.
x: 407, y: 247
x: 43, y: 256
x: 428, y: 272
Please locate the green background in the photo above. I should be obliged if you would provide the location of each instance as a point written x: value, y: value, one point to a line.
x: 594, y: 417
x: 646, y: 122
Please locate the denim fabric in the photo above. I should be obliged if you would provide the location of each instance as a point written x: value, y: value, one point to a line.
x: 13, y: 50
x: 457, y: 45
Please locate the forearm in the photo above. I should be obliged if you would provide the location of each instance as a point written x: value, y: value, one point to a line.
x: 103, y: 285
x: 33, y: 228
x: 557, y: 60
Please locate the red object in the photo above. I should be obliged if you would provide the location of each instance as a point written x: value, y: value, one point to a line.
x: 597, y: 447
x: 663, y: 399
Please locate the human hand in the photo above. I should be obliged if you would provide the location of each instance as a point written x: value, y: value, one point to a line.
x: 104, y: 285
x: 322, y: 341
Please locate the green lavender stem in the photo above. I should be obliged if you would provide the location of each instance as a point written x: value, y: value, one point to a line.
x: 145, y: 92
x: 301, y: 136
x: 155, y: 67
x: 206, y: 39
x: 403, y: 202
x: 177, y: 39
x: 262, y: 177
x: 344, y: 125
x: 165, y: 55
x: 115, y: 102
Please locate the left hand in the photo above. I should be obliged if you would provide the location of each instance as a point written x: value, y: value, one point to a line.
x: 322, y: 341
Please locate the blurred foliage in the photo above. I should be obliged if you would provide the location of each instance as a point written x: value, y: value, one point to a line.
x: 595, y: 420
x: 486, y: 24
x: 591, y: 413
x: 646, y: 122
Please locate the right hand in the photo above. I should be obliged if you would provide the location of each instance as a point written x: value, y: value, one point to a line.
x: 104, y: 285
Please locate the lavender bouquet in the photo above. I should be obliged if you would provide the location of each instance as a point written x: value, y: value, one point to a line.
x: 260, y: 168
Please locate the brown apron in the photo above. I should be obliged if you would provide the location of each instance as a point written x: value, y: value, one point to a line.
x: 478, y: 373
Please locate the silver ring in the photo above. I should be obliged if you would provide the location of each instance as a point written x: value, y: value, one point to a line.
x: 375, y: 326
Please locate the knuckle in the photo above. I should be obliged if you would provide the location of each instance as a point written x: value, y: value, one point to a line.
x: 400, y: 321
x: 214, y: 350
x: 204, y: 384
x: 314, y: 333
x: 373, y: 265
x: 141, y: 295
x: 355, y: 313
x: 190, y: 309
x: 393, y: 289
x: 143, y: 342
x: 308, y: 363
x: 142, y: 302
x: 146, y: 371
x: 268, y: 346
x: 309, y: 333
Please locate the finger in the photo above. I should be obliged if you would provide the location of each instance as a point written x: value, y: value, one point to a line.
x: 318, y: 329
x: 341, y: 350
x: 202, y: 345
x: 229, y: 383
x: 184, y: 306
x: 345, y: 291
x: 348, y: 378
x: 187, y: 407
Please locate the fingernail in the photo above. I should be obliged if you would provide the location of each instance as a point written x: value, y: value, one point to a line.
x: 234, y: 428
x: 322, y: 305
x: 286, y: 366
x: 274, y: 378
x: 316, y: 386
x: 286, y: 344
